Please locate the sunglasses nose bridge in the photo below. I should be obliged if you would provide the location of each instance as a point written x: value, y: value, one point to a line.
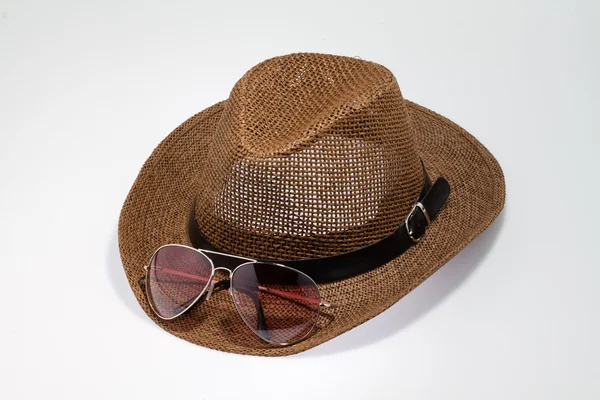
x: 229, y: 271
x: 211, y: 287
x: 215, y: 283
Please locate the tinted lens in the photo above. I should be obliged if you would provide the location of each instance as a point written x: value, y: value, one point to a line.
x: 280, y: 304
x: 176, y: 277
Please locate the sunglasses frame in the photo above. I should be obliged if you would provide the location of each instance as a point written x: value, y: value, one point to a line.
x: 210, y: 284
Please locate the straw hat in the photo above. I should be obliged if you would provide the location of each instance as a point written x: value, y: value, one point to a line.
x: 311, y: 155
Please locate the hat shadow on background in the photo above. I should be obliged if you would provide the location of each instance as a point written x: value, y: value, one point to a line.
x: 401, y: 315
x: 118, y: 279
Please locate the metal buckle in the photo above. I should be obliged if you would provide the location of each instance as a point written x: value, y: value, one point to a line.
x: 420, y: 206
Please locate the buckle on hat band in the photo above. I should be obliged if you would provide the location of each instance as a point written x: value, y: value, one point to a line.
x: 411, y: 232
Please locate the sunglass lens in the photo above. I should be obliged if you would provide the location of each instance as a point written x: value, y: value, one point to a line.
x: 176, y: 277
x: 280, y: 304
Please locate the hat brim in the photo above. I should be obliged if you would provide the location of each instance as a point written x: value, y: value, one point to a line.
x: 157, y: 210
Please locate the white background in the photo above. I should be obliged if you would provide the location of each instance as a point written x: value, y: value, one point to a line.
x: 88, y: 90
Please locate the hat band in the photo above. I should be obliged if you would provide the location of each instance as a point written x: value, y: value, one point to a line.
x: 346, y: 265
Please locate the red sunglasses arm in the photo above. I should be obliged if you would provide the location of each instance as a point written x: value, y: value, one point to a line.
x: 292, y: 296
x: 184, y: 274
x: 281, y: 293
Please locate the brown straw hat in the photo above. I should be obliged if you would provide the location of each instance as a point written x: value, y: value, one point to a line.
x: 312, y: 155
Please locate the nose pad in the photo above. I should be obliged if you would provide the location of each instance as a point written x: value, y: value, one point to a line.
x: 211, y: 287
x: 216, y: 284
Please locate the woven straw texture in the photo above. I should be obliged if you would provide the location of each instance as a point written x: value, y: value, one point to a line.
x: 311, y: 155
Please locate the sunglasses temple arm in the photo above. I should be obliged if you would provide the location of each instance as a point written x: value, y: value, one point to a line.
x: 281, y: 293
x: 294, y: 296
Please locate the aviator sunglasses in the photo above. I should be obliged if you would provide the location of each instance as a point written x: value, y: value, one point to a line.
x: 278, y: 303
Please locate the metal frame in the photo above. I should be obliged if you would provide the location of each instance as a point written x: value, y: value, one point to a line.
x: 146, y: 268
x: 210, y: 285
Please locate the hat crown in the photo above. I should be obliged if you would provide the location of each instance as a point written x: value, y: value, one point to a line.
x: 313, y: 156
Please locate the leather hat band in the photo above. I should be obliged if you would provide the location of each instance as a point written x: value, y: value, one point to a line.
x: 346, y: 265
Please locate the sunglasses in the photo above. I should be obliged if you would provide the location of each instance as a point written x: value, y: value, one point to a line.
x: 279, y: 304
